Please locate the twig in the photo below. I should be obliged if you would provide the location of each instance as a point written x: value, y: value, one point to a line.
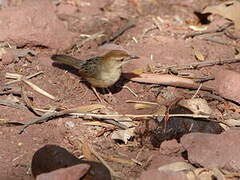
x: 113, y: 122
x: 230, y: 35
x: 39, y: 90
x: 45, y: 117
x: 141, y: 102
x: 130, y: 90
x: 13, y: 104
x: 136, y: 162
x: 11, y: 90
x: 213, y: 96
x: 156, y: 22
x: 143, y: 115
x: 89, y: 38
x: 9, y: 123
x: 199, y: 33
x: 119, y: 32
x: 102, y: 160
x: 52, y: 114
x: 197, y: 65
x: 147, y: 30
x: 204, y: 79
x: 19, y: 77
x: 34, y: 75
x: 219, y: 41
x: 28, y: 102
x: 197, y: 91
x: 220, y: 29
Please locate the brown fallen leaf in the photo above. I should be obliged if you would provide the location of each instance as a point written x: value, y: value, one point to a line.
x: 87, y: 152
x: 118, y: 160
x: 170, y: 80
x: 88, y: 108
x: 126, y: 121
x: 176, y: 167
x: 228, y: 9
x: 123, y: 135
x: 197, y: 105
x: 140, y: 106
x: 198, y: 55
x: 98, y: 123
x: 198, y: 28
x: 138, y: 71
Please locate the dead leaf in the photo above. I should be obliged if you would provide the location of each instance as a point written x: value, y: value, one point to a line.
x: 139, y: 106
x: 123, y: 135
x: 87, y: 152
x: 88, y: 108
x: 176, y: 166
x: 204, y: 173
x: 197, y: 105
x: 233, y: 122
x: 98, y: 123
x: 198, y: 28
x: 123, y: 120
x: 138, y: 71
x: 228, y: 9
x: 198, y: 55
x: 161, y: 110
x: 118, y: 160
x: 166, y: 79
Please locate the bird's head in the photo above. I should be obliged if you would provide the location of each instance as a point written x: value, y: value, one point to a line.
x: 118, y: 57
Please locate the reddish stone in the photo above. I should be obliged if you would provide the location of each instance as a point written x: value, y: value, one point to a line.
x: 210, y: 150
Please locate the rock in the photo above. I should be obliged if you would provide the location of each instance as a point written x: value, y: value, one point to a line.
x: 70, y: 173
x: 66, y: 9
x: 52, y: 157
x: 8, y: 58
x: 33, y: 23
x: 170, y: 147
x: 229, y: 84
x: 214, y: 151
x: 159, y: 160
x: 155, y: 174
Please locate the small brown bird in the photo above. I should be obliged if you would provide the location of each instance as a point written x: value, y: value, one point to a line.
x: 101, y: 71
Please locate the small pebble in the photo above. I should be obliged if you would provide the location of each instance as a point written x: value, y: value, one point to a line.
x: 69, y: 124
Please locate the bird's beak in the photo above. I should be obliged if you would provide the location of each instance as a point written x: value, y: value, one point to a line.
x: 131, y: 57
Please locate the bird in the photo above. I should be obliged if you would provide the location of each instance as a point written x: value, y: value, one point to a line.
x: 101, y: 71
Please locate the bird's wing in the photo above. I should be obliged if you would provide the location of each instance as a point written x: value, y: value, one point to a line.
x: 89, y: 67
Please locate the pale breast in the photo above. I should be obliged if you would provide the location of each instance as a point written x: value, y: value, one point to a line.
x: 105, y: 79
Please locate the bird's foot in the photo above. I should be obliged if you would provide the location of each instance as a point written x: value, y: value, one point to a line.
x: 109, y: 98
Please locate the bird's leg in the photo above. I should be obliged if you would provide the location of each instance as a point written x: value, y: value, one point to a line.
x: 110, y: 98
x: 96, y: 93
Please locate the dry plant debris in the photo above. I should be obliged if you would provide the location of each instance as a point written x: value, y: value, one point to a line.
x: 228, y: 9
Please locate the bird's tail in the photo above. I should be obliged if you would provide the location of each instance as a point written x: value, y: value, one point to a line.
x: 68, y: 60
